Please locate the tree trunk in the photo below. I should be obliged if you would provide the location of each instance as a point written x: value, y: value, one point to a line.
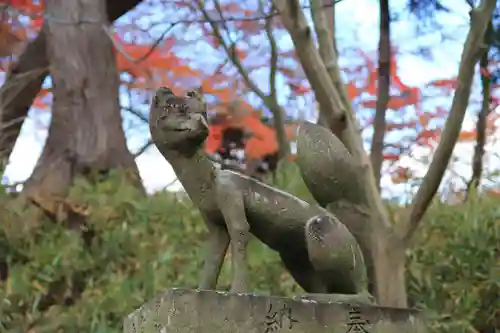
x: 86, y: 131
x: 25, y: 79
x: 389, y: 257
x: 279, y: 127
x: 384, y: 82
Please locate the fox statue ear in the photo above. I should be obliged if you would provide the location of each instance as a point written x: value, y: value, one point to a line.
x: 197, y: 95
x: 198, y: 92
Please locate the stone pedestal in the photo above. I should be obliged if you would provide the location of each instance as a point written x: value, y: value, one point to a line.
x: 190, y: 311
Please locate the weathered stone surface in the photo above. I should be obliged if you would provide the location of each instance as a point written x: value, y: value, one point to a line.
x: 189, y: 311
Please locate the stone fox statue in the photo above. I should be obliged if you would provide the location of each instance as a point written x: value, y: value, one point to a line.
x: 318, y: 251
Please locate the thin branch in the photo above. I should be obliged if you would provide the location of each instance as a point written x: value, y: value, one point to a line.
x: 121, y: 49
x: 331, y: 18
x: 143, y: 148
x: 18, y: 82
x: 14, y: 104
x: 273, y: 62
x: 481, y: 123
x: 473, y: 49
x: 273, y: 13
x: 327, y: 96
x: 6, y: 137
x: 153, y: 47
x: 12, y: 122
x: 136, y: 113
x: 269, y: 15
x: 326, y: 47
x: 383, y: 86
x: 272, y: 100
x: 171, y: 183
x: 223, y: 22
x: 230, y: 49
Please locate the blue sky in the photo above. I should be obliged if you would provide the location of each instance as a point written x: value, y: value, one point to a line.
x: 357, y: 24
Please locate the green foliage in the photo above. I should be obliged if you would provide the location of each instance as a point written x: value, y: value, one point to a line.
x: 288, y: 178
x: 58, y: 283
x: 140, y: 248
x: 454, y: 269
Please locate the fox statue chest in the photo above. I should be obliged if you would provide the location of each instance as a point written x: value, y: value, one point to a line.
x: 201, y: 189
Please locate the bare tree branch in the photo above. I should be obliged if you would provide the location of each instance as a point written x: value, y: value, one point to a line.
x: 20, y: 88
x: 269, y: 100
x: 273, y: 63
x: 136, y: 113
x: 482, y: 117
x: 328, y: 97
x: 273, y: 13
x: 326, y: 46
x: 143, y: 148
x: 330, y: 17
x: 34, y: 60
x: 229, y: 49
x: 153, y: 47
x: 384, y: 82
x: 272, y: 102
x: 172, y: 182
x: 473, y: 49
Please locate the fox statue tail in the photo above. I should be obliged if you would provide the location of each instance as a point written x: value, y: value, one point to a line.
x: 335, y: 254
x: 334, y: 179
